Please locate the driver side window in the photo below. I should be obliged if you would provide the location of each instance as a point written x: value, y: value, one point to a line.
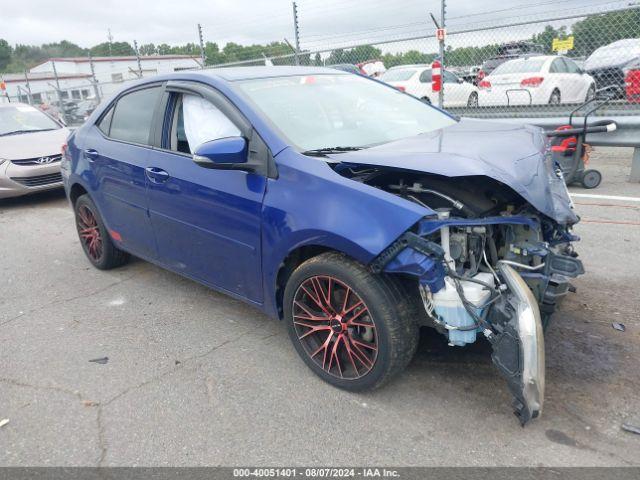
x: 197, y: 121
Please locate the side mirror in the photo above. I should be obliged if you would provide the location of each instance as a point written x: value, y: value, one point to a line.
x: 224, y: 153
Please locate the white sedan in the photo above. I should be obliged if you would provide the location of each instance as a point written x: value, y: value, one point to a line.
x: 538, y: 80
x: 416, y: 80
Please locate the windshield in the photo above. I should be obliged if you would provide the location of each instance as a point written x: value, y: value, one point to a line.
x: 616, y: 53
x: 326, y: 111
x: 24, y: 118
x: 520, y: 65
x: 400, y: 75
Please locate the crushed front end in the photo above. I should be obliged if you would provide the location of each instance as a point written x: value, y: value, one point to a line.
x: 486, y: 263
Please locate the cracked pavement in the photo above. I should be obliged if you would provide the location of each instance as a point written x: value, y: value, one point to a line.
x: 197, y: 378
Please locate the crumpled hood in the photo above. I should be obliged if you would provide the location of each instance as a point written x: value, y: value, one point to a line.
x: 515, y: 155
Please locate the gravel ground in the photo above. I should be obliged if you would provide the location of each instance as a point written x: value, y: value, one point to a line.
x: 197, y: 378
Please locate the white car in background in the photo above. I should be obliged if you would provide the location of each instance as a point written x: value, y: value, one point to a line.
x: 416, y: 80
x: 536, y: 80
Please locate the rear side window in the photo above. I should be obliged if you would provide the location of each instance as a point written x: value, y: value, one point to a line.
x: 133, y: 115
x: 425, y: 77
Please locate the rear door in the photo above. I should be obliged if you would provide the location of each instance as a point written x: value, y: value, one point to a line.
x: 577, y: 82
x: 207, y: 222
x: 118, y: 149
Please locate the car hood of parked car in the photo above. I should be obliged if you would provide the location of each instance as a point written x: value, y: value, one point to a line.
x: 515, y: 155
x: 32, y: 145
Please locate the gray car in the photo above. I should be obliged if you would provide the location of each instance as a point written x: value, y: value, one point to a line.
x: 30, y: 150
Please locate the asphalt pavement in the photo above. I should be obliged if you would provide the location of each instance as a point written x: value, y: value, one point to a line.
x: 194, y: 377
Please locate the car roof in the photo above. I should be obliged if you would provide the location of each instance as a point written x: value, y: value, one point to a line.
x: 232, y: 74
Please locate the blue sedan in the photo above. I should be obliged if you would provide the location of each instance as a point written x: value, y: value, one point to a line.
x: 352, y: 211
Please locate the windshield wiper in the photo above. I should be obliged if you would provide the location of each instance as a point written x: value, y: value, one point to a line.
x: 19, y: 132
x: 327, y: 150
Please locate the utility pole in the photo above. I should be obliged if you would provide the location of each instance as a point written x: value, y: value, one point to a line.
x: 296, y: 33
x: 135, y: 48
x: 110, y: 39
x: 95, y: 80
x: 443, y: 9
x: 203, y: 57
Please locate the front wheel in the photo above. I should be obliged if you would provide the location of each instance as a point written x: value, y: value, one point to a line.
x: 354, y: 329
x: 555, y: 98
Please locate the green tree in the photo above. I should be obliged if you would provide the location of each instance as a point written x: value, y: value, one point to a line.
x: 598, y: 30
x: 147, y: 49
x: 5, y: 54
x: 117, y: 48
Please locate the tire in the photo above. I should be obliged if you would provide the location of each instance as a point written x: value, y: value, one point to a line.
x: 473, y: 100
x: 591, y: 179
x: 591, y: 93
x: 555, y: 98
x: 379, y: 343
x: 426, y: 100
x: 94, y: 238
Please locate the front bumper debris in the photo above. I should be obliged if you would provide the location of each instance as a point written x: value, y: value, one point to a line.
x: 518, y: 347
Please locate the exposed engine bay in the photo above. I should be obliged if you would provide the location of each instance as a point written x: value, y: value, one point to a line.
x: 487, y: 264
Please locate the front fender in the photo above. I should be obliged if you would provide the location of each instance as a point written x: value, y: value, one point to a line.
x: 310, y: 204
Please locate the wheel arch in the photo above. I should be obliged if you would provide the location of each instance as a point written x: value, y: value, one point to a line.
x: 303, y: 252
x: 76, y: 191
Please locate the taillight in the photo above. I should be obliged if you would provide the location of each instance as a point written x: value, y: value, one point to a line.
x: 531, y: 82
x: 484, y: 84
x: 480, y: 75
x: 401, y: 88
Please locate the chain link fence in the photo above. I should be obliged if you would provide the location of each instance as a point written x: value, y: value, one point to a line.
x: 541, y: 65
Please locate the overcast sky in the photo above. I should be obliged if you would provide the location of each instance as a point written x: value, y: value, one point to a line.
x: 324, y: 23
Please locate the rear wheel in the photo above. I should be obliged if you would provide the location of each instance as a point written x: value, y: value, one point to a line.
x: 94, y: 238
x: 426, y: 100
x: 473, y: 100
x: 354, y: 329
x: 555, y: 98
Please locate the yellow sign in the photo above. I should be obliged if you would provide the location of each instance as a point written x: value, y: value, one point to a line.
x: 562, y: 45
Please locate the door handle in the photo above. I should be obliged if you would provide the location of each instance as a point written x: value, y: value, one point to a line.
x: 91, y: 154
x: 157, y: 175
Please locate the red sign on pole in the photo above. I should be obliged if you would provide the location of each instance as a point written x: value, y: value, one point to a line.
x: 3, y: 86
x: 440, y: 34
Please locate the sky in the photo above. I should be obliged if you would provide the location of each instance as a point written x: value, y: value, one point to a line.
x: 323, y: 23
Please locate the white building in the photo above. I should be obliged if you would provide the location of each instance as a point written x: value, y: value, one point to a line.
x: 75, y: 75
x: 42, y: 87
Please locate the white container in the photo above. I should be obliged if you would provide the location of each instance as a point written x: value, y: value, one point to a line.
x: 449, y: 308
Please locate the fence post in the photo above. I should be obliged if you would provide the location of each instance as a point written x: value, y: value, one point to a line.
x: 59, y: 93
x: 94, y: 79
x: 135, y: 48
x: 635, y: 166
x: 29, y: 95
x: 443, y: 8
x: 203, y: 57
x: 296, y: 33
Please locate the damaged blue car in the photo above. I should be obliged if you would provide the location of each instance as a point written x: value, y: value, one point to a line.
x: 352, y: 211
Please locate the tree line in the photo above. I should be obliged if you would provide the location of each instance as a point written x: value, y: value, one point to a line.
x: 589, y: 33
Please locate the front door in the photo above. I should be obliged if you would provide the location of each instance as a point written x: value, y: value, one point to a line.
x: 207, y: 222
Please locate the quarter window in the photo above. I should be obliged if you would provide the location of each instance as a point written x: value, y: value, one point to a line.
x: 133, y: 115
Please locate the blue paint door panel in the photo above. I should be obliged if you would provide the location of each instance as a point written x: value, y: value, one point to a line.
x: 207, y: 222
x: 119, y: 173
